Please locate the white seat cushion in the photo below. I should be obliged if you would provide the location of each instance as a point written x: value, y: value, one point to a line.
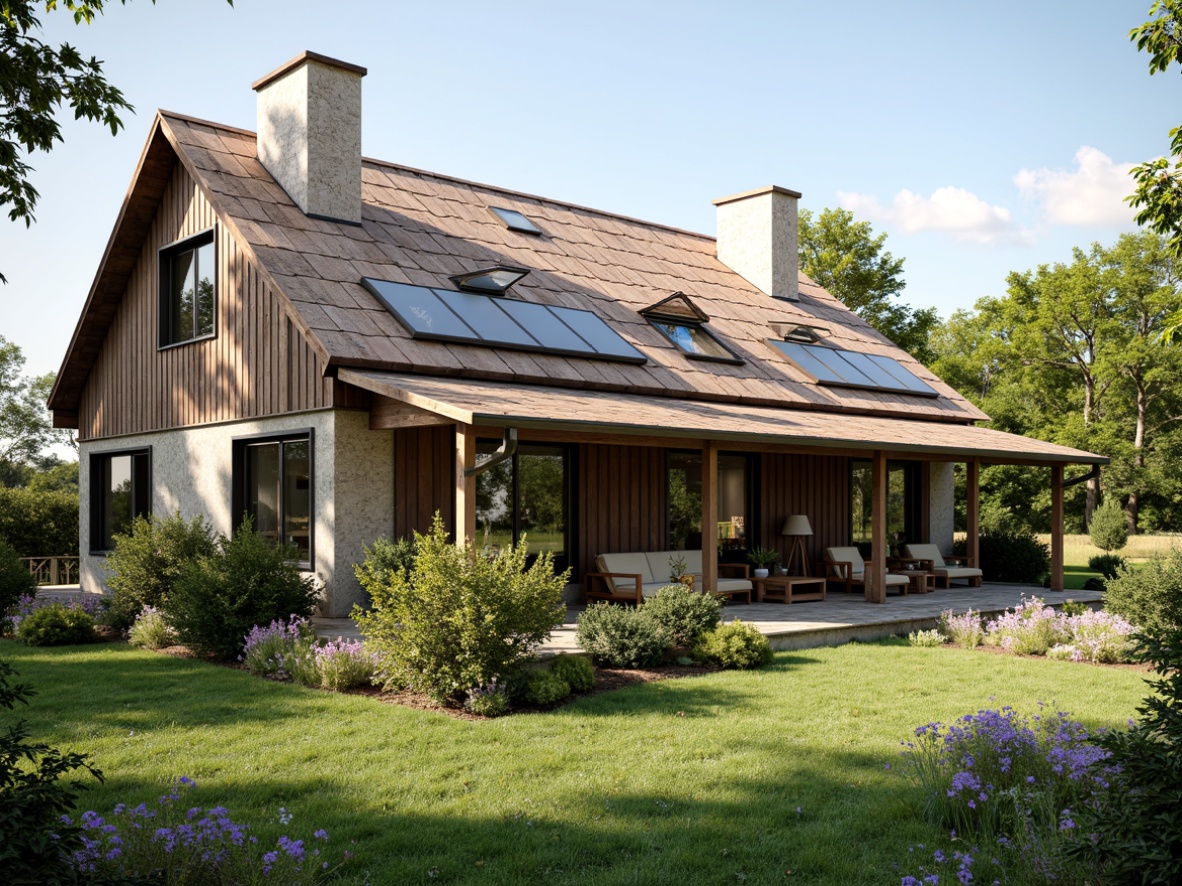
x: 892, y: 580
x: 629, y: 564
x: 926, y: 552
x: 958, y: 572
x: 847, y: 555
x: 733, y: 584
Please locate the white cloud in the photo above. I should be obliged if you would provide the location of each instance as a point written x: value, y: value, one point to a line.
x: 955, y: 211
x: 1090, y: 195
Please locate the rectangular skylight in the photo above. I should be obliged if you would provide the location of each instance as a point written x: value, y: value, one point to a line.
x: 515, y: 221
x: 492, y: 321
x: 852, y: 369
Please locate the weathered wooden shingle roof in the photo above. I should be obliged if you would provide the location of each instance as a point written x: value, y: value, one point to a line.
x: 420, y: 228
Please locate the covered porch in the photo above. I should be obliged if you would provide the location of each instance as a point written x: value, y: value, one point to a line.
x: 618, y: 456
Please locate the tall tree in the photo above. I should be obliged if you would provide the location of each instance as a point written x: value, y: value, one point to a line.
x: 844, y: 256
x: 25, y: 428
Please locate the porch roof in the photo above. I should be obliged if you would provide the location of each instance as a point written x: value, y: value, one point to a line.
x: 497, y: 404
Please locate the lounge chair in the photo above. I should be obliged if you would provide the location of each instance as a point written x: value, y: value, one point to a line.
x: 945, y: 568
x: 847, y: 565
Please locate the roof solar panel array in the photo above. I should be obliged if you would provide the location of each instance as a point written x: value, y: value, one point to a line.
x: 852, y: 369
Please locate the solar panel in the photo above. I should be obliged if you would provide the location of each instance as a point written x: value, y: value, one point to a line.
x: 494, y: 321
x: 853, y: 369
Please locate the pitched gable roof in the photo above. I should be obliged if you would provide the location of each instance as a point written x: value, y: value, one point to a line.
x: 420, y: 228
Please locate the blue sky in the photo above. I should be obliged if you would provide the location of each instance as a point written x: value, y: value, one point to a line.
x: 982, y: 138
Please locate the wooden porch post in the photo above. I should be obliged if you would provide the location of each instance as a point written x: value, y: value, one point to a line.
x: 465, y: 517
x: 1057, y: 528
x: 876, y: 577
x: 709, y: 516
x: 972, y: 511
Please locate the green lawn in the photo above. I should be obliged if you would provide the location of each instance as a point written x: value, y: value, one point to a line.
x: 732, y: 777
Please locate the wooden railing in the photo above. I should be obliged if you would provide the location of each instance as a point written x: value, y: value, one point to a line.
x: 53, y: 570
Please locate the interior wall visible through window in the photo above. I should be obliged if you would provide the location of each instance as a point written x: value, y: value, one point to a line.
x: 526, y: 495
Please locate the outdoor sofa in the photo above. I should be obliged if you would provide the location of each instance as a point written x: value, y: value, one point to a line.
x: 945, y: 568
x: 633, y: 576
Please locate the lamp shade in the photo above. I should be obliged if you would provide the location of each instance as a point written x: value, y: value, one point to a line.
x: 797, y: 524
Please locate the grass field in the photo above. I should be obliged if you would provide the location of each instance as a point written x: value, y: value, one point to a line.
x: 1078, y: 549
x: 730, y: 777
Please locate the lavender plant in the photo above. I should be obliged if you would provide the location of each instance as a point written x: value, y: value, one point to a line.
x: 181, y: 845
x: 964, y: 630
x: 344, y: 664
x: 1100, y: 637
x: 1030, y: 629
x: 151, y: 630
x: 925, y: 639
x: 275, y: 650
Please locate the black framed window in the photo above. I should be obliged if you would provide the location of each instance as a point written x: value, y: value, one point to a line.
x: 273, y: 487
x: 188, y: 290
x: 734, y: 525
x: 120, y: 491
x: 694, y: 340
x: 528, y: 494
x: 903, y: 502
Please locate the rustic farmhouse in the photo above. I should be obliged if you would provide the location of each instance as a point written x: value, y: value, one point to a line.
x: 340, y: 347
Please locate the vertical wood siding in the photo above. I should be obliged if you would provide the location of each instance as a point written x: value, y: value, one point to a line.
x: 620, y: 496
x: 257, y: 365
x: 814, y: 485
x: 424, y: 460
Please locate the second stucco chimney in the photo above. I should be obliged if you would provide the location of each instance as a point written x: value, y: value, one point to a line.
x: 309, y: 134
x: 757, y: 239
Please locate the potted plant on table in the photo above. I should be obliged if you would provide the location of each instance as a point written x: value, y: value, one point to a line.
x: 679, y: 571
x: 763, y: 559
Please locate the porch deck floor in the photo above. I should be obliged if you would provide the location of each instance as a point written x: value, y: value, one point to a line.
x: 838, y: 619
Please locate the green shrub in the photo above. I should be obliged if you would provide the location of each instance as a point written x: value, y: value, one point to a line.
x: 382, y: 562
x: 39, y: 524
x: 487, y: 701
x: 461, y: 617
x: 620, y: 637
x: 344, y: 664
x: 34, y: 799
x: 575, y: 670
x: 1110, y: 528
x: 926, y: 639
x: 272, y: 651
x: 247, y: 581
x: 683, y: 614
x: 1108, y: 565
x: 1150, y: 597
x: 150, y: 630
x: 544, y: 687
x: 56, y: 625
x: 1135, y: 827
x: 1016, y: 556
x: 147, y: 562
x: 15, y: 578
x: 734, y: 645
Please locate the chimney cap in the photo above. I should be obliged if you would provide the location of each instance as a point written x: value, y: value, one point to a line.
x: 300, y: 59
x: 770, y: 189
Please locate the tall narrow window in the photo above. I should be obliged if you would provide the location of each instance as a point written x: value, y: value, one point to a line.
x: 273, y: 485
x: 733, y: 523
x: 188, y: 290
x: 903, y: 493
x: 527, y: 495
x: 120, y: 491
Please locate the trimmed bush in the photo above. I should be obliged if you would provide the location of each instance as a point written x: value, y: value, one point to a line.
x: 735, y: 645
x: 460, y: 617
x: 1110, y: 528
x: 39, y: 524
x: 247, y: 581
x: 1016, y: 556
x: 682, y: 613
x: 544, y: 687
x: 150, y: 630
x: 1108, y: 565
x: 147, y: 562
x: 56, y: 625
x: 1150, y: 597
x: 620, y: 637
x: 15, y: 579
x: 385, y: 559
x: 575, y: 670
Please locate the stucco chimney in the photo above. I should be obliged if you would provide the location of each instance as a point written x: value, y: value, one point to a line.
x: 757, y: 239
x: 309, y: 134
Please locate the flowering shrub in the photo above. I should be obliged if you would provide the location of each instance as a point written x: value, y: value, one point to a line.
x: 343, y: 664
x: 964, y: 630
x: 179, y: 845
x: 1030, y: 629
x: 926, y: 639
x: 487, y: 701
x: 1100, y: 637
x: 150, y: 630
x: 15, y: 579
x: 272, y: 651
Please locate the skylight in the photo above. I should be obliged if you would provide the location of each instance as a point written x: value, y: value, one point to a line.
x: 515, y: 221
x: 852, y: 369
x: 468, y: 318
x: 684, y: 323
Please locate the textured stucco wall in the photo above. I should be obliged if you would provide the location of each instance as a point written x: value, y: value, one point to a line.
x: 191, y: 472
x: 309, y: 138
x: 942, y: 498
x: 757, y: 239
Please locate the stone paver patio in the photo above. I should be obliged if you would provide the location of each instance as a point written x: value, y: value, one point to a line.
x: 838, y: 619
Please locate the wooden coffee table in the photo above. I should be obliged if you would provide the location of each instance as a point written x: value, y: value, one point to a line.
x: 918, y: 582
x: 789, y: 588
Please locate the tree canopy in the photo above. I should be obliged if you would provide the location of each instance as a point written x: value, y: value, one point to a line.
x: 844, y: 256
x: 25, y: 428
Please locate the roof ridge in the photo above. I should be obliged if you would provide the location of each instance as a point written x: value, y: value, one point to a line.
x: 389, y: 164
